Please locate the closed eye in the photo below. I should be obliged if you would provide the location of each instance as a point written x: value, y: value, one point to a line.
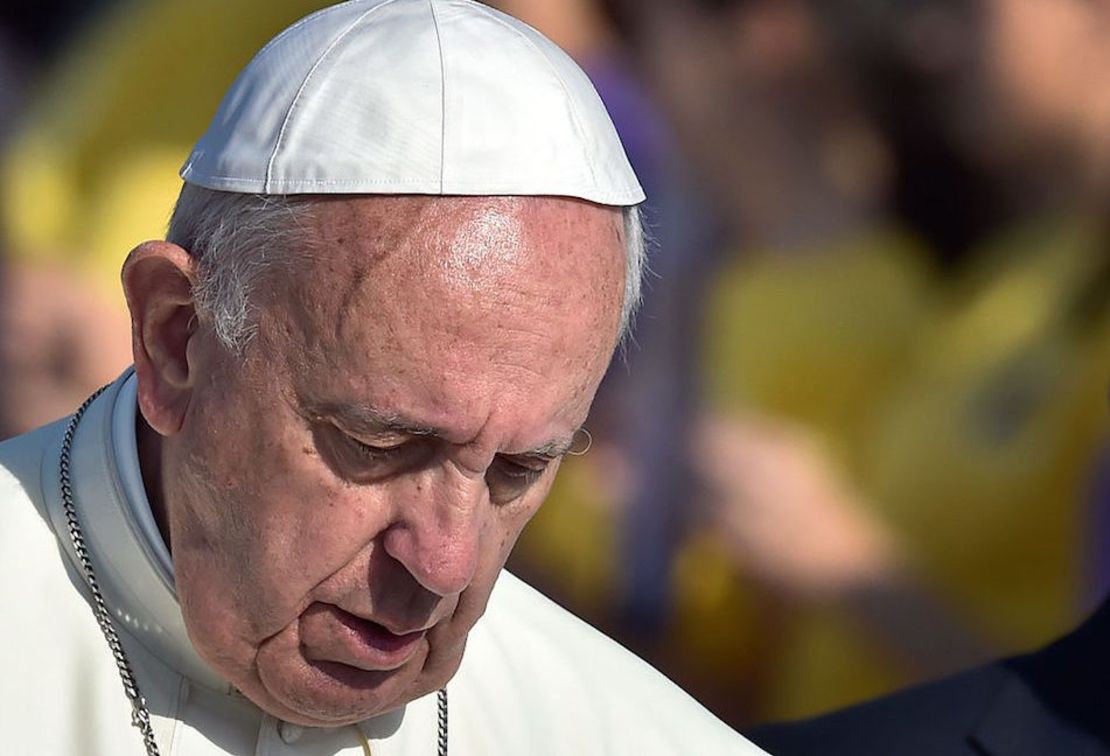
x: 507, y: 478
x: 510, y: 478
x: 361, y: 462
x: 377, y: 453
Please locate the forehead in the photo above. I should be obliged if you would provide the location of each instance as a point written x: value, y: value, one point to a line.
x: 456, y: 306
x: 517, y: 229
x: 468, y: 255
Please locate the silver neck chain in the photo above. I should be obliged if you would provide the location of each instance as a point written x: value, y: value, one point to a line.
x: 140, y: 715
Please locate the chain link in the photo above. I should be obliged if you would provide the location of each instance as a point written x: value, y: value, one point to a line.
x: 442, y: 724
x: 140, y: 715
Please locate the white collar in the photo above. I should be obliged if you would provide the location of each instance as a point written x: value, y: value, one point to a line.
x: 125, y: 447
x: 131, y: 560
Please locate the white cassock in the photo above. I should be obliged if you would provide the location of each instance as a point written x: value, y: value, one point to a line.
x: 534, y: 680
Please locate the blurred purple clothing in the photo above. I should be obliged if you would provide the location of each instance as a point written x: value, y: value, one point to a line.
x: 641, y: 129
x: 650, y: 396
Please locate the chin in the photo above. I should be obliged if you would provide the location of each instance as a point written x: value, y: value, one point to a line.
x: 331, y: 694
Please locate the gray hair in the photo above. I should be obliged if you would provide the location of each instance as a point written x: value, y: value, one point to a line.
x: 236, y: 238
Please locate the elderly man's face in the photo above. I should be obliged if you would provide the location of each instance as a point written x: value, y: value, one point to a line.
x: 340, y: 501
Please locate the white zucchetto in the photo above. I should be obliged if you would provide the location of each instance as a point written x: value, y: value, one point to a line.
x: 413, y: 97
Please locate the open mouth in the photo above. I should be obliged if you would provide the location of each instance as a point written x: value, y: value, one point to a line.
x: 369, y: 645
x: 376, y: 635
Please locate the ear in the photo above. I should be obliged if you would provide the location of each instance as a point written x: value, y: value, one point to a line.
x: 158, y: 280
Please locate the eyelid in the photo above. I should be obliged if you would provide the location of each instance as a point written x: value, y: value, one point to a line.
x: 508, y: 485
x: 377, y: 453
x: 393, y: 441
x: 536, y: 463
x: 396, y: 448
x: 379, y: 447
x: 387, y: 439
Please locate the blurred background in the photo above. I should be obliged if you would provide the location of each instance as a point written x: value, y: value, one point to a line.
x: 860, y: 436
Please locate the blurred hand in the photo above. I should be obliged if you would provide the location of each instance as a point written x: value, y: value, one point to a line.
x: 784, y: 511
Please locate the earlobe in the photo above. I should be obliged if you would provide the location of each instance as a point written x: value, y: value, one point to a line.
x: 158, y: 280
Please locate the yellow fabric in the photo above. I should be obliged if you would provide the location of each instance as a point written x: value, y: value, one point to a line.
x: 814, y: 334
x: 94, y: 171
x: 980, y: 456
x: 968, y: 412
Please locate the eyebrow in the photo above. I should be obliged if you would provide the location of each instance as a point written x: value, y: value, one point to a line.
x: 366, y: 419
x: 550, y: 450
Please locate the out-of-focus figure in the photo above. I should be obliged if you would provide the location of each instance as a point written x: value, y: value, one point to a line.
x: 922, y: 283
x: 57, y: 338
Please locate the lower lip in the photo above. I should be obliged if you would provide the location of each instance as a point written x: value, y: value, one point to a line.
x: 375, y: 647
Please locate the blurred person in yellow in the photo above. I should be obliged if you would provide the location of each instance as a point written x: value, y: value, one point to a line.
x: 959, y: 384
x: 405, y: 251
x: 997, y: 427
x: 832, y: 290
x: 57, y: 338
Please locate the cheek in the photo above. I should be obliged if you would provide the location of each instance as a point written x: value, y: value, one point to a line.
x: 261, y: 523
x: 516, y: 518
x: 510, y: 519
x: 306, y: 530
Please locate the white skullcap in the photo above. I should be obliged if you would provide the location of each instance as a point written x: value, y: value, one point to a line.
x: 413, y: 97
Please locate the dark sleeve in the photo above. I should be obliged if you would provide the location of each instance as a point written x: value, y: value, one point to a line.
x: 936, y: 719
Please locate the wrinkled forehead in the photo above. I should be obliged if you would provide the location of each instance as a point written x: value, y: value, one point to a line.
x: 463, y: 248
x: 463, y: 262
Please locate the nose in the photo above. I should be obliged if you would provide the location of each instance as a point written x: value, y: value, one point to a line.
x: 438, y: 531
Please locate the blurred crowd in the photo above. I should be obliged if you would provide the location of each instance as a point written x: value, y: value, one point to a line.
x: 860, y: 436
